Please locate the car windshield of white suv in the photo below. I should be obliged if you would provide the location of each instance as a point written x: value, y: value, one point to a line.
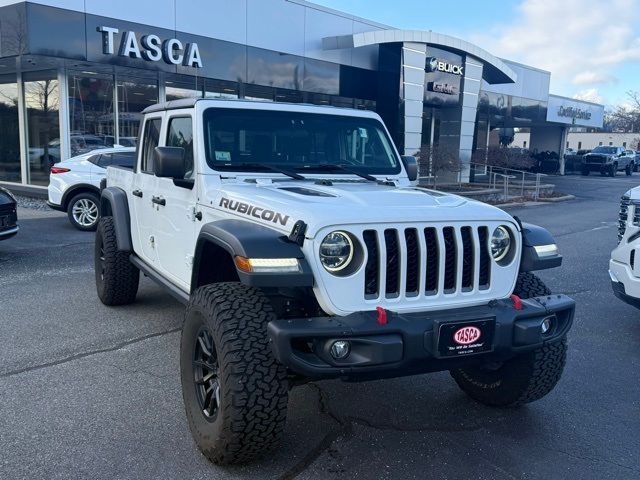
x: 262, y: 140
x: 604, y: 150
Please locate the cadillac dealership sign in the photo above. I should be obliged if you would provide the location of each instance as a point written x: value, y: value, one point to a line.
x: 151, y: 48
x: 571, y: 112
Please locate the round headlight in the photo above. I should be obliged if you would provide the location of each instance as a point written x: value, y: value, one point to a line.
x: 336, y: 251
x: 500, y: 243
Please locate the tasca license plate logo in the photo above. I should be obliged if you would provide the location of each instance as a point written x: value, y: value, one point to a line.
x: 467, y: 335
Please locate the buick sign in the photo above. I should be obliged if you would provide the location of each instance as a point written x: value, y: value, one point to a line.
x: 151, y: 48
x: 433, y: 65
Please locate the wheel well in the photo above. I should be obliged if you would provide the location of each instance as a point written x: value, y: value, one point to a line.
x: 212, y: 264
x: 73, y: 191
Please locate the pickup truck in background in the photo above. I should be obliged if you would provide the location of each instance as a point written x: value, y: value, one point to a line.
x: 609, y: 160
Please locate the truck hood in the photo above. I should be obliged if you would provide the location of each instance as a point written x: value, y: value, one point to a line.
x: 634, y: 193
x: 280, y: 204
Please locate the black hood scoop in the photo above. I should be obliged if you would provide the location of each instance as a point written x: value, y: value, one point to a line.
x: 306, y: 191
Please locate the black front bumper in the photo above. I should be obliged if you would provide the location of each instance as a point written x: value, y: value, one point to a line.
x: 618, y: 291
x: 597, y: 167
x: 408, y: 343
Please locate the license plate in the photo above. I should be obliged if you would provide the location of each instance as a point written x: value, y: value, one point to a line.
x: 466, y: 338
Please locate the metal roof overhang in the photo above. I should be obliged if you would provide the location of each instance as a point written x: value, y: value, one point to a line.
x: 495, y: 70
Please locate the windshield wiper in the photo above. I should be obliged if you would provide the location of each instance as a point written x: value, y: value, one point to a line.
x: 272, y: 168
x: 341, y: 167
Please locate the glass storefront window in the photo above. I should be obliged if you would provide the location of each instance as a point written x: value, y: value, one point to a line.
x: 42, y: 102
x: 220, y: 89
x: 9, y: 126
x: 177, y: 88
x: 134, y: 95
x: 91, y: 112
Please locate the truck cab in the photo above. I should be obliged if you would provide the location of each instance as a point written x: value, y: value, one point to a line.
x: 302, y: 249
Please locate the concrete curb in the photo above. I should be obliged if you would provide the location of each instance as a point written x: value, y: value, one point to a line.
x: 539, y: 202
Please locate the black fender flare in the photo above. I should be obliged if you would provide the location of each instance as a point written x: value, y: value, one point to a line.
x: 113, y: 202
x: 535, y: 236
x: 250, y: 240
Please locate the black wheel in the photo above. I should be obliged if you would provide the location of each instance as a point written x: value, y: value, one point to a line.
x: 235, y: 392
x: 83, y: 211
x: 628, y: 170
x: 116, y: 277
x: 529, y: 285
x: 522, y: 379
x: 613, y: 169
x: 585, y: 172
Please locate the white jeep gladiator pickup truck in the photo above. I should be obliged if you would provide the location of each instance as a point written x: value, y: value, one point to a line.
x: 302, y: 251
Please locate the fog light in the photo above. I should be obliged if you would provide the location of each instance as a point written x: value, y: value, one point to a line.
x: 547, y: 323
x: 340, y: 349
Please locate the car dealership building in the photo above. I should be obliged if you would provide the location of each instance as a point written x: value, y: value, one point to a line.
x: 75, y: 75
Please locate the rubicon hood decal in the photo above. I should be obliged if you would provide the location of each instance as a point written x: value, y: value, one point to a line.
x: 253, y: 211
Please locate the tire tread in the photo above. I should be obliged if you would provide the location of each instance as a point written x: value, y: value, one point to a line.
x: 121, y: 278
x: 254, y: 391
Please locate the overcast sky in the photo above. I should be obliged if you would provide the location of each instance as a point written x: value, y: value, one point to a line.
x: 591, y: 47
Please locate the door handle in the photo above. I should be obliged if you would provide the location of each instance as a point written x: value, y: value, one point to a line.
x: 137, y: 193
x: 158, y: 200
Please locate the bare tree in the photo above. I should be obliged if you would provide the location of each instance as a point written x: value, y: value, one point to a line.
x: 625, y: 118
x: 504, y: 157
x: 436, y: 160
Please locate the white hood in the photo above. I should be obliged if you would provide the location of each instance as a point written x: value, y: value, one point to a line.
x: 347, y: 202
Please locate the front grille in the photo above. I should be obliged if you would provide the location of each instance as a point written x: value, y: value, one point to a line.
x: 596, y: 159
x: 7, y: 208
x: 426, y: 261
x: 623, y: 215
x: 8, y: 217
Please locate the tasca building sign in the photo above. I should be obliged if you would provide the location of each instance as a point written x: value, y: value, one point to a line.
x: 150, y: 48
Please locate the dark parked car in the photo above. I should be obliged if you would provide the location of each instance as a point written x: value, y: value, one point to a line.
x: 546, y: 162
x: 608, y: 160
x: 573, y: 160
x: 8, y: 214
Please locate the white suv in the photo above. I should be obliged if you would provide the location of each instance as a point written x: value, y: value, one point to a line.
x: 74, y: 184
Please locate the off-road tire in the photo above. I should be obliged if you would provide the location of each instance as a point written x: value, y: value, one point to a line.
x: 117, y: 278
x: 529, y: 285
x: 90, y: 197
x: 613, y: 169
x: 628, y: 170
x: 253, y: 389
x: 522, y: 379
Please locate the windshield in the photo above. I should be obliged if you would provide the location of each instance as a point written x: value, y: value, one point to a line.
x: 246, y: 139
x: 605, y: 150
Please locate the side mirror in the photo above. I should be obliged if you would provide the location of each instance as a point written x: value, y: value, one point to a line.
x: 411, y: 166
x: 168, y: 162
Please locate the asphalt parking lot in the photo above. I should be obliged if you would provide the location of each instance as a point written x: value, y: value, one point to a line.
x: 88, y: 391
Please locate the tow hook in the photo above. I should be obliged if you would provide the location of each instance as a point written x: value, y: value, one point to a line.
x: 517, y: 302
